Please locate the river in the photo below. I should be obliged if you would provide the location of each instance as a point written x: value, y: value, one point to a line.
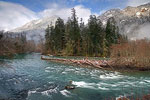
x: 27, y: 77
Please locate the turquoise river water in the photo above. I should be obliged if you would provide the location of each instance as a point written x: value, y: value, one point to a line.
x: 27, y: 77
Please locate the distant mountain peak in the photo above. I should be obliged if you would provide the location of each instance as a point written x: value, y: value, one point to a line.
x: 37, y: 24
x: 36, y: 28
x: 132, y: 21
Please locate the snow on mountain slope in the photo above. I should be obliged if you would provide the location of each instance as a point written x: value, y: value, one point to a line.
x: 132, y: 21
x: 36, y: 28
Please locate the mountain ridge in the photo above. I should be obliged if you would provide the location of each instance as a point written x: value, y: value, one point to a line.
x: 131, y: 21
x: 128, y: 20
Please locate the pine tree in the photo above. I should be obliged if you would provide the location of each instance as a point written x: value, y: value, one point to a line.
x: 69, y: 45
x: 95, y: 36
x: 75, y: 38
x: 73, y: 34
x: 83, y: 39
x: 59, y: 36
x: 112, y: 33
x: 47, y: 38
x: 52, y: 40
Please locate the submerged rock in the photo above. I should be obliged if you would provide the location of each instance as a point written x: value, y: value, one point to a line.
x: 70, y: 87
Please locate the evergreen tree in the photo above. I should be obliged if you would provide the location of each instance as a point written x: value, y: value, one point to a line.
x: 52, y: 40
x: 79, y: 39
x: 69, y: 44
x: 83, y: 39
x: 112, y: 32
x: 105, y: 48
x: 47, y: 38
x: 73, y: 34
x: 59, y: 36
x: 95, y: 36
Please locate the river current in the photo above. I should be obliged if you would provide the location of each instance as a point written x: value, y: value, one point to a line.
x: 27, y: 77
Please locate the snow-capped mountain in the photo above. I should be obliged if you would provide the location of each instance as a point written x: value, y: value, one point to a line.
x: 36, y: 28
x: 108, y: 14
x: 132, y: 21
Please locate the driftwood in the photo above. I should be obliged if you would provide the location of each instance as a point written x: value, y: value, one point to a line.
x: 95, y: 63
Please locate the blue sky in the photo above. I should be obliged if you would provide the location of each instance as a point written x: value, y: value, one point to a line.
x: 95, y: 5
x: 15, y: 13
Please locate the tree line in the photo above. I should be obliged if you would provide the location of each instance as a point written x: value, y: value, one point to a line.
x: 74, y: 38
x: 13, y: 43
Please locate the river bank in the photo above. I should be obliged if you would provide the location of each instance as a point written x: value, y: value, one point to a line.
x: 27, y: 77
x: 85, y: 62
x: 109, y: 64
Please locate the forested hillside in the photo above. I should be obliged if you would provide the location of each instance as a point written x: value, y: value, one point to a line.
x: 74, y: 38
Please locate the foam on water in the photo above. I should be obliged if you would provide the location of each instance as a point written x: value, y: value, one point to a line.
x: 103, y: 88
x: 115, y: 75
x: 47, y: 71
x: 65, y: 93
x: 47, y: 80
x: 83, y: 84
x: 31, y: 92
x: 46, y: 92
x: 48, y: 68
x: 148, y: 81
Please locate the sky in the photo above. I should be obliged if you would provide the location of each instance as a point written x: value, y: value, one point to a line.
x: 15, y: 13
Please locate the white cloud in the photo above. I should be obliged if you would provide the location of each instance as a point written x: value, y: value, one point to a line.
x: 103, y: 11
x: 14, y: 15
x: 83, y: 12
x: 65, y: 12
x: 137, y: 2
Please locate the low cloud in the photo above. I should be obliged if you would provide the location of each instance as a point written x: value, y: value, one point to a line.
x: 13, y: 15
x: 65, y: 12
x: 143, y: 31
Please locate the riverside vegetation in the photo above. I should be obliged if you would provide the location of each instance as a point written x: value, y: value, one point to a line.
x: 12, y: 43
x: 15, y: 43
x: 93, y: 39
x: 78, y: 39
x: 75, y: 38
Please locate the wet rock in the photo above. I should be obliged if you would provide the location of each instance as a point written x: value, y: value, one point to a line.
x: 21, y: 95
x: 70, y: 87
x: 146, y: 97
x: 122, y: 98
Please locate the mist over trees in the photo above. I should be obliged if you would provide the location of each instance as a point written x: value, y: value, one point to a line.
x: 74, y: 38
x: 14, y: 43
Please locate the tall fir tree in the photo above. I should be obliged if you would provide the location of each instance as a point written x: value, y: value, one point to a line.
x: 74, y: 37
x: 47, y: 38
x: 112, y: 32
x: 95, y: 35
x: 59, y: 36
